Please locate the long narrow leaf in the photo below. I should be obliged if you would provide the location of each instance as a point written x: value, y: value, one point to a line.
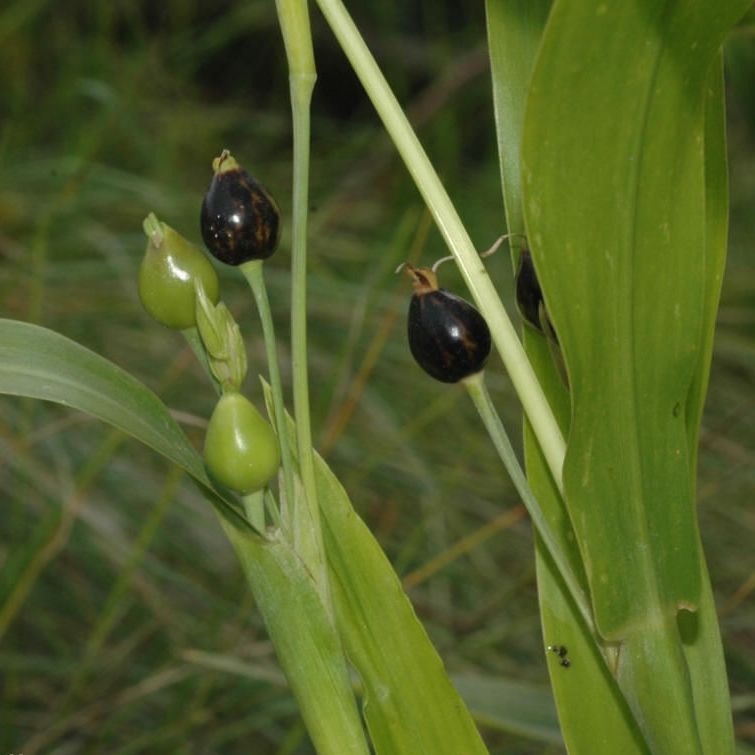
x: 305, y: 642
x: 592, y: 710
x: 410, y: 704
x: 39, y: 363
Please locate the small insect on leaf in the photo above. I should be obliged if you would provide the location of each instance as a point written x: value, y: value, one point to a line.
x: 562, y: 652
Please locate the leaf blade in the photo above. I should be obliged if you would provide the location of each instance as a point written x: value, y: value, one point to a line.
x: 614, y: 175
x: 39, y: 363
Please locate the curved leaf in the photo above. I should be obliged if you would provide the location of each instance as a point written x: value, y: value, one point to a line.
x: 39, y: 363
x: 617, y: 212
x: 305, y: 640
x: 592, y: 711
x: 410, y: 704
x: 614, y: 173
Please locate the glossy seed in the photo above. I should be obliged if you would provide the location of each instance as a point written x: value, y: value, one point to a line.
x: 241, y: 450
x: 240, y: 221
x: 169, y: 269
x: 529, y: 297
x: 448, y: 337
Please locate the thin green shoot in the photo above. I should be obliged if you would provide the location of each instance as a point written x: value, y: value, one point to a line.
x: 478, y: 391
x: 254, y: 275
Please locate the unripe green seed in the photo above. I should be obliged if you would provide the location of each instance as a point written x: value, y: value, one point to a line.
x: 240, y: 450
x: 167, y: 274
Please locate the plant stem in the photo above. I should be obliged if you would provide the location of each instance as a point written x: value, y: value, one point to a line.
x: 504, y: 335
x: 294, y: 22
x: 478, y: 391
x: 254, y: 275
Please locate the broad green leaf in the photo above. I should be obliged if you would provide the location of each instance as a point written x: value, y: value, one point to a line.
x: 39, y: 363
x: 615, y: 181
x: 591, y: 708
x: 614, y: 174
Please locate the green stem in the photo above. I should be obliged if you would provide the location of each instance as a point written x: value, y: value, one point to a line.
x: 525, y: 382
x: 294, y: 21
x: 552, y: 539
x: 254, y: 275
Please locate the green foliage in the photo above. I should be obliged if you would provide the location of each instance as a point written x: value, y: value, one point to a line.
x: 615, y: 203
x: 125, y: 623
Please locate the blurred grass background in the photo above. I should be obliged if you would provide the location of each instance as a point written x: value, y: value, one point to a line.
x: 125, y: 624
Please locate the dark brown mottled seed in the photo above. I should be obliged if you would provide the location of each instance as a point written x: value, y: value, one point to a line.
x: 448, y: 337
x: 239, y: 219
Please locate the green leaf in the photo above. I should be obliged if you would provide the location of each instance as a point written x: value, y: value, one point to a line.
x: 409, y: 702
x: 701, y: 637
x: 591, y: 708
x: 619, y: 202
x: 614, y: 174
x: 514, y: 31
x: 39, y: 363
x: 716, y: 233
x: 305, y: 640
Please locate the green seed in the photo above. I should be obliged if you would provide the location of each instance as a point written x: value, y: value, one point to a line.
x: 167, y: 274
x: 241, y: 450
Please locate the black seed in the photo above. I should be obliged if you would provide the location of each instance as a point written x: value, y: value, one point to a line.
x: 239, y: 219
x: 448, y: 337
x: 529, y: 295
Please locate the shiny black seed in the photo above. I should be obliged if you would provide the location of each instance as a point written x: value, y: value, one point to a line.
x: 448, y: 337
x: 529, y: 295
x: 239, y: 219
